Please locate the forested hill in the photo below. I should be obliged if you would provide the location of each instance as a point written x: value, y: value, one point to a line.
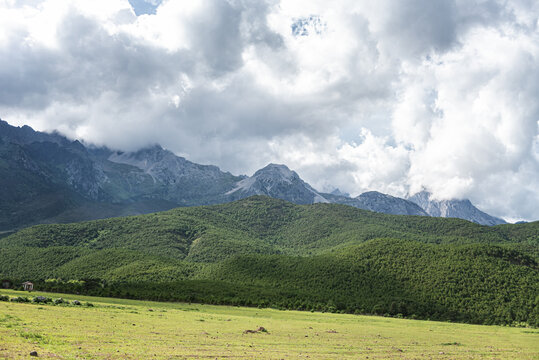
x: 263, y: 225
x: 267, y: 252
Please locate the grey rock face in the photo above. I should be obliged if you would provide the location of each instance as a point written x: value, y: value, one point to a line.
x: 165, y: 167
x: 462, y: 209
x: 378, y: 202
x: 277, y: 181
x: 70, y: 164
x: 177, y: 179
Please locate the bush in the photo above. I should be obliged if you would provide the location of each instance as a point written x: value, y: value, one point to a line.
x: 76, y: 302
x: 41, y: 300
x: 89, y: 304
x: 4, y: 298
x: 59, y: 301
x: 20, y: 299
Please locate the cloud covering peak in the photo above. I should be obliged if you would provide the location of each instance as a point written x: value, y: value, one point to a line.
x: 360, y: 95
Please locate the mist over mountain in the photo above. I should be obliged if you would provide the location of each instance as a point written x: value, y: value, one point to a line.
x: 462, y: 209
x: 48, y: 178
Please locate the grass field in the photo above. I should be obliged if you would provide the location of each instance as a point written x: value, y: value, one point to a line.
x: 128, y: 329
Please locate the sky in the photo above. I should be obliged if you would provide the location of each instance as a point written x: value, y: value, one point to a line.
x: 359, y: 95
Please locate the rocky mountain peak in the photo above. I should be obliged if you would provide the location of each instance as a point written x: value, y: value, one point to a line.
x: 144, y: 159
x: 277, y: 181
x: 167, y: 169
x: 338, y: 192
x: 277, y: 172
x: 26, y: 135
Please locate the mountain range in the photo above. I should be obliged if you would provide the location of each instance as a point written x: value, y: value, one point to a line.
x: 47, y: 178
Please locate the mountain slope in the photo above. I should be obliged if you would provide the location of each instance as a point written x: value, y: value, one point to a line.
x: 47, y: 178
x: 462, y: 209
x: 261, y: 224
x: 386, y: 276
x: 30, y: 191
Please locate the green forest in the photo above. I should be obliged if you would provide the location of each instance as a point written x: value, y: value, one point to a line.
x: 271, y: 253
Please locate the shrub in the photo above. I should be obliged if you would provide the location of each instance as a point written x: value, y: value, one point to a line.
x: 20, y: 299
x: 41, y: 300
x: 4, y: 298
x: 59, y: 301
x: 76, y: 302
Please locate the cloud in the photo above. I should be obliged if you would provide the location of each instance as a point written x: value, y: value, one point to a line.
x: 473, y: 114
x: 415, y: 27
x: 360, y: 95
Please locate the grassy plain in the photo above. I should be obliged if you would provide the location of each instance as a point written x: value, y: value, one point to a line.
x: 130, y: 329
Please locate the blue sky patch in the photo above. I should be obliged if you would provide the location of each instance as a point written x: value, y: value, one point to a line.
x: 142, y: 7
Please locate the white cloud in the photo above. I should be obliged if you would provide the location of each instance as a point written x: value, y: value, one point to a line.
x: 473, y: 115
x: 389, y: 96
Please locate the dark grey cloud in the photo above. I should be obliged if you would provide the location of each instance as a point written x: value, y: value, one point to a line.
x: 416, y: 27
x: 25, y: 73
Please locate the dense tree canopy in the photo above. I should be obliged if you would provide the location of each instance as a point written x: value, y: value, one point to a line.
x: 266, y: 252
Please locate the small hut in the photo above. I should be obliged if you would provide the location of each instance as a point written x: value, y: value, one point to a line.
x: 28, y: 286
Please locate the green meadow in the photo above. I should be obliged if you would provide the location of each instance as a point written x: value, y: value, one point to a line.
x: 131, y: 329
